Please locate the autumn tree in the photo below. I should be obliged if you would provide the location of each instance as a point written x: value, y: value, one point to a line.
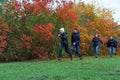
x: 94, y: 20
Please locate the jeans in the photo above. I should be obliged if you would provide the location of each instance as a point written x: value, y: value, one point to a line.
x: 96, y: 50
x: 112, y: 50
x: 66, y: 49
x: 76, y: 49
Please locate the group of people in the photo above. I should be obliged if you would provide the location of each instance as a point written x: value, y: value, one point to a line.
x: 112, y: 44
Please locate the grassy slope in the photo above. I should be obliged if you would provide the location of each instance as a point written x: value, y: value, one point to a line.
x: 103, y: 68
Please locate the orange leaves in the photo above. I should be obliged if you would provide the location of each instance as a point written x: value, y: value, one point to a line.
x: 42, y: 34
x: 25, y: 38
x: 95, y: 19
x: 40, y: 52
x: 82, y: 29
x: 44, y: 31
x: 81, y: 8
x: 5, y: 29
x: 3, y: 43
x: 65, y: 15
x: 25, y: 41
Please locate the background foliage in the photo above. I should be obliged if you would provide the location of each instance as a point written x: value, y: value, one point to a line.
x: 29, y: 30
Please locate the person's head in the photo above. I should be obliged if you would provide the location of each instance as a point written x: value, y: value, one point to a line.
x: 75, y: 30
x: 96, y: 35
x: 62, y: 30
x: 111, y: 37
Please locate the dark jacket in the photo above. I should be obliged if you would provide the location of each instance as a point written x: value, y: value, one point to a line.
x: 75, y: 38
x: 112, y: 43
x: 63, y: 37
x: 96, y: 41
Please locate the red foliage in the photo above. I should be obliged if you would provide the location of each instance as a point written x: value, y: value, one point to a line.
x: 16, y: 4
x: 65, y: 14
x: 5, y: 29
x: 36, y: 7
x: 40, y: 52
x: 25, y: 42
x: 3, y: 43
x: 44, y: 31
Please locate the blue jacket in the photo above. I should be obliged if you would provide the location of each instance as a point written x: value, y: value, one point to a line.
x: 112, y: 43
x: 64, y: 39
x: 96, y: 41
x: 75, y: 38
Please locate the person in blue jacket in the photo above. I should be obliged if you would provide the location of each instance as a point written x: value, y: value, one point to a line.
x: 64, y: 43
x: 96, y: 42
x: 112, y: 44
x: 75, y: 40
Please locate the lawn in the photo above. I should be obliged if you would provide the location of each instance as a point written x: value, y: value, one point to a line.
x: 90, y: 68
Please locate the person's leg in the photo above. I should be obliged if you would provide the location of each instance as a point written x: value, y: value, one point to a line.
x: 78, y: 52
x: 66, y: 49
x: 73, y: 48
x: 96, y: 48
x: 114, y: 50
x: 97, y: 51
x: 60, y: 51
x: 111, y: 51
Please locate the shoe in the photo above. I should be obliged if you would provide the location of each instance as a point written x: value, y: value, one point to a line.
x: 81, y: 58
x: 72, y: 57
x: 59, y: 59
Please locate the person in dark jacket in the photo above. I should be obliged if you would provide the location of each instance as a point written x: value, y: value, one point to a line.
x: 112, y: 44
x: 96, y: 42
x: 75, y: 40
x: 64, y: 43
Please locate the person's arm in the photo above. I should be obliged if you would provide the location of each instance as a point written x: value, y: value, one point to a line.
x: 63, y: 36
x: 115, y: 42
x: 78, y: 41
x: 101, y: 41
x: 106, y: 43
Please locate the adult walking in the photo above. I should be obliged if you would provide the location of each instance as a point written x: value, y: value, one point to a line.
x: 96, y: 42
x: 112, y: 44
x: 75, y: 40
x: 64, y: 43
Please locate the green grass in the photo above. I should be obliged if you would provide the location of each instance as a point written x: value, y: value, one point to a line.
x: 90, y: 68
